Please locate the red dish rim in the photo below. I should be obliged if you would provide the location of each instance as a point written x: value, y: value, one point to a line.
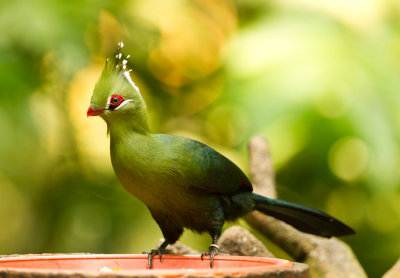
x: 269, y: 264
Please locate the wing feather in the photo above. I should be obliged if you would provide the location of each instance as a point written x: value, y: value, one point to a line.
x: 203, y: 169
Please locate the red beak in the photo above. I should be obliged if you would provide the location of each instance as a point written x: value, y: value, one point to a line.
x: 94, y: 112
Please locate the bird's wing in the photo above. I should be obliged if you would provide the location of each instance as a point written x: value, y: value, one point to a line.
x: 203, y: 169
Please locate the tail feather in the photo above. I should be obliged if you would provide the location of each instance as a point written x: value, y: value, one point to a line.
x: 303, y: 218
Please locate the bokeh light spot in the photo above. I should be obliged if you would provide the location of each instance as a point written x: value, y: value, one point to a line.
x: 180, y: 58
x: 14, y: 215
x: 348, y: 158
x: 382, y: 214
x: 85, y: 225
x: 90, y: 132
x: 348, y: 205
x: 227, y: 125
x: 287, y: 137
x: 332, y: 105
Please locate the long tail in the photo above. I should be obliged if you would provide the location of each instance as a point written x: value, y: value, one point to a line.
x: 303, y: 218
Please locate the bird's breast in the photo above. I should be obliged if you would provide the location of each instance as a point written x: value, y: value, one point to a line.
x: 143, y: 171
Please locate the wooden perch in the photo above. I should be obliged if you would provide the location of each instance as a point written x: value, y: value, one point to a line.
x: 235, y: 241
x: 394, y: 272
x: 238, y: 241
x: 325, y: 257
x: 178, y: 248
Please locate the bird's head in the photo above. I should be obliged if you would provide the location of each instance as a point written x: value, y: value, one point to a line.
x: 116, y: 98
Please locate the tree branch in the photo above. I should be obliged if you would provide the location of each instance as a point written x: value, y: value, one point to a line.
x: 326, y: 257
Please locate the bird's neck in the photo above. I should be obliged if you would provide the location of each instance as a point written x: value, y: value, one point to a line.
x: 121, y: 127
x: 124, y: 130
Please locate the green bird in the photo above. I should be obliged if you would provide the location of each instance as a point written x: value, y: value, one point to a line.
x: 184, y: 183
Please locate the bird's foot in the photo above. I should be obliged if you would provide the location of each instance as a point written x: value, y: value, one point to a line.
x: 212, y: 251
x: 152, y: 253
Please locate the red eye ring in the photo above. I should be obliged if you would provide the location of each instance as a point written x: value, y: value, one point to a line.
x: 115, y: 101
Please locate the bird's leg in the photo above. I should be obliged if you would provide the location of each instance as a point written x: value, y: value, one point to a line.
x: 213, y: 250
x: 159, y: 251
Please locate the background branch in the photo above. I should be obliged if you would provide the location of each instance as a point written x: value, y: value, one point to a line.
x: 325, y: 257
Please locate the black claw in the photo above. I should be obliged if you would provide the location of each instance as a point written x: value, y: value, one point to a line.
x: 150, y: 261
x: 213, y: 250
x: 154, y: 252
x: 151, y: 254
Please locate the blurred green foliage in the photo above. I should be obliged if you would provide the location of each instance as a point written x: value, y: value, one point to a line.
x: 319, y: 79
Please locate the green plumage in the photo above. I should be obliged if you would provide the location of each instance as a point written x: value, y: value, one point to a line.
x: 184, y: 183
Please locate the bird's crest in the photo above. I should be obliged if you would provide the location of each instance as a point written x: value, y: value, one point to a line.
x: 118, y: 63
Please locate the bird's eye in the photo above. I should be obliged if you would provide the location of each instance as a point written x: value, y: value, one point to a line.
x: 115, y: 100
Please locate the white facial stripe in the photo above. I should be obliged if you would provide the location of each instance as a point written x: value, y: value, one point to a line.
x: 108, y: 102
x: 125, y: 101
x: 128, y: 77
